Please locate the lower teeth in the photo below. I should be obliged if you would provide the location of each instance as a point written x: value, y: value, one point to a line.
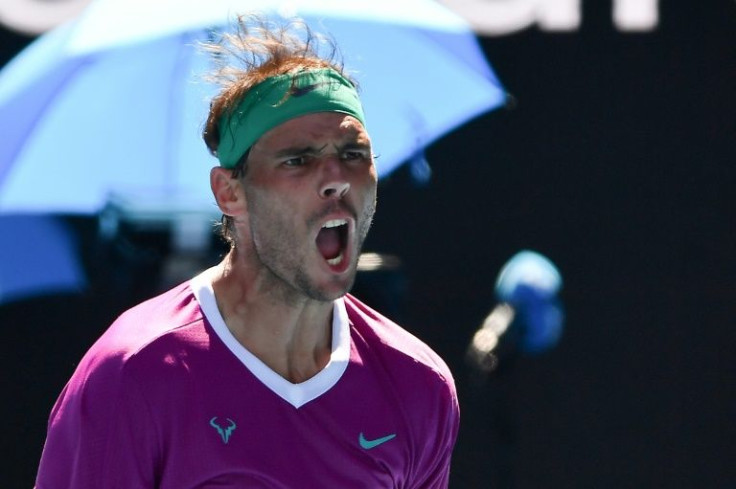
x: 336, y: 260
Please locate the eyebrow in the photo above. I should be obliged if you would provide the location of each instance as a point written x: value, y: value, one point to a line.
x: 312, y: 151
x: 355, y: 145
x: 298, y: 151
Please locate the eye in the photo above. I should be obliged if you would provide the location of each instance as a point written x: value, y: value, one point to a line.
x: 296, y: 161
x: 355, y: 155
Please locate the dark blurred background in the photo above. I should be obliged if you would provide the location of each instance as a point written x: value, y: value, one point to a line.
x: 616, y: 161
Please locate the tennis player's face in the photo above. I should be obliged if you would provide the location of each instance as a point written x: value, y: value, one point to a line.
x: 310, y: 189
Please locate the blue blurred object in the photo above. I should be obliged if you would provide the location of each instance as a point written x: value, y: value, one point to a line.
x: 37, y: 257
x: 530, y: 283
x: 113, y: 103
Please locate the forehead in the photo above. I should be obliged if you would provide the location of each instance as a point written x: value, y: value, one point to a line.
x: 320, y: 127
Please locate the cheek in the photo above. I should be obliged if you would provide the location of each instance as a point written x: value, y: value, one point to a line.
x: 372, y: 174
x: 262, y: 209
x: 369, y: 208
x: 275, y: 214
x: 371, y: 191
x: 367, y: 180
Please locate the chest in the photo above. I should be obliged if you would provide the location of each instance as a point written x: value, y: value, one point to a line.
x: 233, y: 431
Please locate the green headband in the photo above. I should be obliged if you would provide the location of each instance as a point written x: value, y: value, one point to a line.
x: 279, y: 98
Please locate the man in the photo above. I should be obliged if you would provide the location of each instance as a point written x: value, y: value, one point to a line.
x: 262, y: 371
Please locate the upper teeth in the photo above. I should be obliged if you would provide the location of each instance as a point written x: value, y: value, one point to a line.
x: 334, y: 223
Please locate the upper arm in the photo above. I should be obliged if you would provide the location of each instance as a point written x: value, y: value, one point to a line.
x: 100, y: 434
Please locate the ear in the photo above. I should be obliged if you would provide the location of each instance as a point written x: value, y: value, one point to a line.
x: 228, y: 192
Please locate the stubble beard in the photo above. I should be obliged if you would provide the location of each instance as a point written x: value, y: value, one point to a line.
x: 290, y: 281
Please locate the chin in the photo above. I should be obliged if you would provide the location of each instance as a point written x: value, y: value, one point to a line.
x: 332, y: 291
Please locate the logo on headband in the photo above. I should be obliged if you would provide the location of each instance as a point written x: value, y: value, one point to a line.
x: 299, y: 91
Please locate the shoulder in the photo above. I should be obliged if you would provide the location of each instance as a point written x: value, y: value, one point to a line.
x: 172, y: 309
x: 133, y: 358
x: 153, y: 319
x: 395, y: 344
x: 142, y: 334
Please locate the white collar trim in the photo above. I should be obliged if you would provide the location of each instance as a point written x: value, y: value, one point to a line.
x: 295, y: 394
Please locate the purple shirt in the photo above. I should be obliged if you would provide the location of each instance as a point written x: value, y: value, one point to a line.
x: 167, y: 398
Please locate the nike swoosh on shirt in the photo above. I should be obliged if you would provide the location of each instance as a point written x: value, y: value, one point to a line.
x: 368, y: 444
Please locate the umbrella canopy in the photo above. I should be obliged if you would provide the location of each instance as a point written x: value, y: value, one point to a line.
x: 111, y: 105
x: 39, y: 257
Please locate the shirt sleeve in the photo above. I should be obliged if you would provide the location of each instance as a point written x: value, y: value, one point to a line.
x: 434, y: 468
x: 100, y: 433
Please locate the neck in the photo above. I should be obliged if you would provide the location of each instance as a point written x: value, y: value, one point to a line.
x: 293, y: 336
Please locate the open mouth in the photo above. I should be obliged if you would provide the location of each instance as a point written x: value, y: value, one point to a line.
x: 332, y: 240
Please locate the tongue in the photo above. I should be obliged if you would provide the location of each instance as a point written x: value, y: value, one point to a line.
x: 328, y: 242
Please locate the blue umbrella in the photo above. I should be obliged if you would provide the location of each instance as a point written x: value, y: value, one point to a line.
x: 38, y: 258
x: 110, y: 106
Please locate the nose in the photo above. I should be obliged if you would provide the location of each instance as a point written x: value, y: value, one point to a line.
x: 334, y: 185
x: 336, y: 189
